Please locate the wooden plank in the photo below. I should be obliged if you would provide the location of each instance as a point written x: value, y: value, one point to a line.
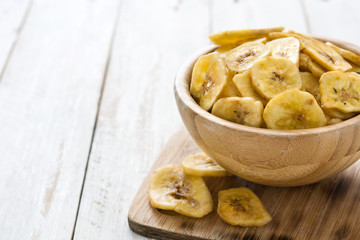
x: 48, y: 102
x: 138, y: 111
x: 13, y: 15
x: 230, y: 14
x: 334, y: 19
x: 326, y: 210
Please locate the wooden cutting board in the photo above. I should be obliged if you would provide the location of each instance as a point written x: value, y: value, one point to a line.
x: 326, y: 210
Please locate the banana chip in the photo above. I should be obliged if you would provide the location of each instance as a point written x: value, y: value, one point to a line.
x: 340, y: 91
x: 323, y: 54
x: 243, y: 57
x: 310, y: 84
x: 239, y: 36
x: 209, y: 77
x: 243, y: 83
x: 288, y: 47
x: 203, y: 166
x: 294, y: 109
x: 240, y: 206
x: 243, y: 110
x: 335, y: 113
x: 172, y: 189
x: 354, y: 58
x: 271, y: 76
x: 307, y: 64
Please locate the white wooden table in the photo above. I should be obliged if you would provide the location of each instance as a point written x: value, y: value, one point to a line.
x: 86, y: 99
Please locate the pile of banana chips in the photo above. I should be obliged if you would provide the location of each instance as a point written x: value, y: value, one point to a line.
x: 277, y: 79
x: 181, y: 188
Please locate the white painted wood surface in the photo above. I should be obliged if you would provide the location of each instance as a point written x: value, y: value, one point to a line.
x: 138, y: 112
x: 54, y: 67
x: 48, y: 102
x: 13, y: 15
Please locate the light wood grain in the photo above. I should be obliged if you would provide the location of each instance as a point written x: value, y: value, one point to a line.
x: 327, y: 210
x: 138, y: 111
x: 48, y: 101
x: 13, y: 15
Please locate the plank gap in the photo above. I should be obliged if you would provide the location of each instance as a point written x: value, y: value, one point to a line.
x: 306, y: 17
x: 18, y: 32
x: 108, y: 61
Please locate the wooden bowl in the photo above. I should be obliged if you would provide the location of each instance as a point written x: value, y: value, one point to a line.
x: 265, y: 156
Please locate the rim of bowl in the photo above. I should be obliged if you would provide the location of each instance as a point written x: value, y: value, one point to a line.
x: 182, y: 89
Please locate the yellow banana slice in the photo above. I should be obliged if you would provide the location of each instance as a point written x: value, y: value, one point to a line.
x: 354, y: 68
x: 288, y: 47
x: 307, y: 64
x: 293, y: 109
x: 240, y: 206
x: 348, y: 55
x: 277, y: 35
x: 224, y: 49
x: 271, y: 76
x: 340, y: 91
x: 201, y: 165
x: 229, y: 90
x: 335, y: 113
x: 244, y: 110
x: 236, y: 36
x: 310, y: 84
x: 321, y: 53
x: 243, y: 83
x: 243, y: 57
x: 209, y: 77
x: 172, y: 189
x: 332, y: 120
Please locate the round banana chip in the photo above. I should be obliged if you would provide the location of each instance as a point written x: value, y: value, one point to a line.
x: 240, y: 206
x: 203, y: 166
x: 209, y: 77
x: 243, y: 83
x: 243, y: 57
x: 243, y: 110
x: 294, y: 109
x: 274, y: 75
x: 340, y: 91
x: 172, y: 189
x: 288, y: 47
x: 310, y: 84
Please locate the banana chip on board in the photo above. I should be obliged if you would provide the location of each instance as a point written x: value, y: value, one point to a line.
x: 201, y: 165
x: 241, y: 207
x: 172, y: 189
